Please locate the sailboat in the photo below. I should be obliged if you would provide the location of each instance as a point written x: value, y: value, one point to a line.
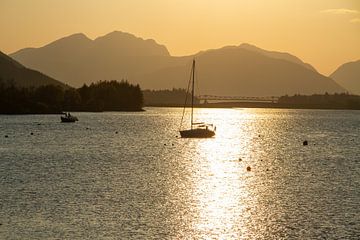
x: 197, y: 130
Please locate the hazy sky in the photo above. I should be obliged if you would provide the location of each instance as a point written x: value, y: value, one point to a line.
x: 325, y: 33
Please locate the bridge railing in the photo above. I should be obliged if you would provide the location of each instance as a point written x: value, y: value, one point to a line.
x: 238, y: 98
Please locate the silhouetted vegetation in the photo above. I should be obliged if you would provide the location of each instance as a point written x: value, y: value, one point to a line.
x: 174, y: 97
x: 328, y: 101
x: 100, y: 96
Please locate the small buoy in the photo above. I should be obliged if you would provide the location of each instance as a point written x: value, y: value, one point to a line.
x: 87, y: 128
x: 39, y: 124
x: 267, y: 169
x: 248, y: 169
x: 164, y: 144
x: 31, y: 133
x: 116, y: 132
x: 259, y: 135
x: 240, y: 159
x: 172, y: 144
x: 6, y: 136
x: 305, y: 143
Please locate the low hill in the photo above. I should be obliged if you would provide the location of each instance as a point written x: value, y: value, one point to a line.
x: 12, y: 72
x: 348, y: 75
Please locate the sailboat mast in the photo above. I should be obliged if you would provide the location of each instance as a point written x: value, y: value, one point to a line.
x: 192, y: 93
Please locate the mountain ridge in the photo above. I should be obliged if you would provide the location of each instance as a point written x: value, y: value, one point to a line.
x: 348, y: 75
x: 247, y: 63
x: 119, y: 55
x: 12, y: 72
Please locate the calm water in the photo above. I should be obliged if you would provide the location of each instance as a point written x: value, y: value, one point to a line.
x: 84, y: 181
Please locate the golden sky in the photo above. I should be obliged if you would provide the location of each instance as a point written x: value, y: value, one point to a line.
x: 324, y: 33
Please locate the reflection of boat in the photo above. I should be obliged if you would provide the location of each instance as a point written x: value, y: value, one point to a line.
x: 68, y: 118
x: 197, y: 130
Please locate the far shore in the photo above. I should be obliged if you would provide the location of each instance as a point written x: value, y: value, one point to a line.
x: 209, y: 105
x: 257, y: 105
x: 62, y: 113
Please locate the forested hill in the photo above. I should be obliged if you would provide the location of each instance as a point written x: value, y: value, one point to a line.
x: 100, y: 96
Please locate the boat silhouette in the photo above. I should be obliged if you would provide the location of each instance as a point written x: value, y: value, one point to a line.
x: 68, y: 118
x: 200, y: 129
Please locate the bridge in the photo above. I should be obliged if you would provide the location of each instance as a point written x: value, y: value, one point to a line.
x: 206, y: 98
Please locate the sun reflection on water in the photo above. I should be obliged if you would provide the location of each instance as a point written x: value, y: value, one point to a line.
x: 220, y: 190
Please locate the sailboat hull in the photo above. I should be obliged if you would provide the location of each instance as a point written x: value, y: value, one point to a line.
x: 197, y: 133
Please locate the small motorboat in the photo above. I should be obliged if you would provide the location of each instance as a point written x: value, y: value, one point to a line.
x: 69, y: 118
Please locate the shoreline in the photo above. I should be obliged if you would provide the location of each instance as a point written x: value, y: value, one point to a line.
x: 258, y: 105
x: 63, y: 112
x: 209, y: 105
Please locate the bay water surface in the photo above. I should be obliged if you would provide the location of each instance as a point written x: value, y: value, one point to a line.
x: 120, y: 175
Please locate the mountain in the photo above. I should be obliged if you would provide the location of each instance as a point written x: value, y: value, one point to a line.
x: 348, y: 75
x: 233, y: 70
x: 238, y: 71
x: 76, y: 59
x: 277, y: 55
x: 13, y: 72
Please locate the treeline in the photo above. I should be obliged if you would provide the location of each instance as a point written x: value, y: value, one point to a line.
x: 100, y: 96
x: 174, y: 97
x: 328, y: 101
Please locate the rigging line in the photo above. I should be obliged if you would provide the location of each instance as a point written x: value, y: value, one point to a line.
x: 192, y: 94
x: 197, y: 88
x: 186, y: 97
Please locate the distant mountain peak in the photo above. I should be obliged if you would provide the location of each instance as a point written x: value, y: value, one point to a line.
x: 272, y: 54
x: 114, y: 43
x: 115, y: 34
x: 78, y: 36
x: 124, y: 40
x: 348, y: 75
x: 279, y: 55
x: 72, y: 39
x: 249, y: 46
